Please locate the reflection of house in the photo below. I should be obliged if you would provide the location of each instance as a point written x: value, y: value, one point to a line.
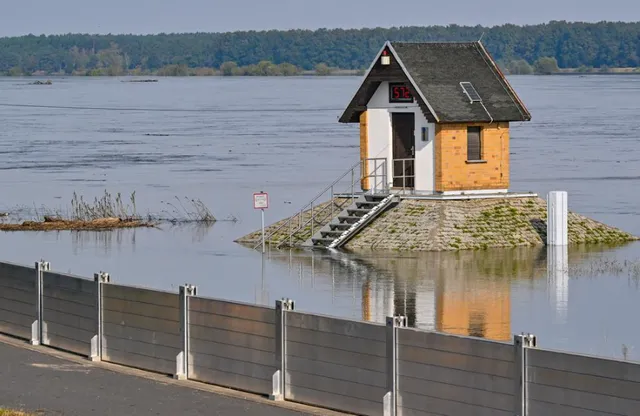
x: 464, y: 293
x: 439, y: 114
x: 482, y: 309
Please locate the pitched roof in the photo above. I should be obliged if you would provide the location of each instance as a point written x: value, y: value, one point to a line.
x: 434, y: 71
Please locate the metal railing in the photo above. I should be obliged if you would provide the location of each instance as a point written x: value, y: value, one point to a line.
x: 404, y: 174
x: 318, y: 211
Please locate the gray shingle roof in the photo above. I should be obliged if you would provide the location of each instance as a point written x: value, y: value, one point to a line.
x: 437, y: 69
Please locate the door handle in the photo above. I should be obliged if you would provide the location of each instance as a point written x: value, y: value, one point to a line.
x: 413, y: 151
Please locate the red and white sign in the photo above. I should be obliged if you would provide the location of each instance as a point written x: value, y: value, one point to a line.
x: 260, y: 200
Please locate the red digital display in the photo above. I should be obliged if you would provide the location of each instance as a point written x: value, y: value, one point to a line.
x: 399, y: 93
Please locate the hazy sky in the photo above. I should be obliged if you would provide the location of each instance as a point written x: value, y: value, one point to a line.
x: 153, y: 16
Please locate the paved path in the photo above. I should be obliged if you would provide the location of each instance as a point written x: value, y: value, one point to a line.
x: 32, y: 380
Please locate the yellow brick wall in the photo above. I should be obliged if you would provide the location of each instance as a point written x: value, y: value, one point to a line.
x: 453, y: 173
x: 364, y: 149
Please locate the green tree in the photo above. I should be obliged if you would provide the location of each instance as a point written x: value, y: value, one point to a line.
x: 174, y: 70
x: 519, y: 67
x: 323, y: 69
x: 228, y: 68
x: 546, y: 65
x: 571, y: 44
x: 112, y: 60
x: 16, y: 71
x: 288, y: 69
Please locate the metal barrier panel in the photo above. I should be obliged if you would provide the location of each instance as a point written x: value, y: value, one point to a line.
x: 141, y: 328
x: 18, y: 299
x: 571, y: 385
x: 68, y: 312
x: 450, y: 375
x: 335, y: 363
x: 231, y: 344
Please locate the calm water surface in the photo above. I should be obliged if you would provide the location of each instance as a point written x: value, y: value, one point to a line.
x: 220, y: 140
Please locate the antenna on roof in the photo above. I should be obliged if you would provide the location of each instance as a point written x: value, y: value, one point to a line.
x: 481, y: 36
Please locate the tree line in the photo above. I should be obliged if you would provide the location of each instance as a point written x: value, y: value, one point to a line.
x: 543, y: 48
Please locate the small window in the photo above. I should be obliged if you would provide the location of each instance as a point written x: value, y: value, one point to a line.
x: 474, y: 143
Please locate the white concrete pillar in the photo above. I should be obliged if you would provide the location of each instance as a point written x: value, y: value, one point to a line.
x: 557, y: 213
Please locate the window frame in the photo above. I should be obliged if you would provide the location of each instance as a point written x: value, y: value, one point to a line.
x: 480, y: 155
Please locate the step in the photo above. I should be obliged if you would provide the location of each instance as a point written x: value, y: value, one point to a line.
x: 362, y: 222
x: 357, y: 212
x: 322, y: 241
x: 348, y: 220
x: 340, y: 227
x: 375, y: 198
x: 332, y: 233
x: 369, y: 204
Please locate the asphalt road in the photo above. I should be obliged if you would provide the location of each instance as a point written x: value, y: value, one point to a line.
x: 30, y: 380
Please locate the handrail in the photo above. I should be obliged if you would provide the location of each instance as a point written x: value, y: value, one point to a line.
x: 404, y: 175
x: 310, y: 204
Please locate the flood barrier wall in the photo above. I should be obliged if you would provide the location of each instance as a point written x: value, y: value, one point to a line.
x: 350, y: 366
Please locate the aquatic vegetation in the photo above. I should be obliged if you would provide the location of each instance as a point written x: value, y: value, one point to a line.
x: 105, y: 207
x: 187, y: 210
x: 104, y: 213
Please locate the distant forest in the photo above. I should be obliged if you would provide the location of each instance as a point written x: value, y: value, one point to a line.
x: 544, y: 48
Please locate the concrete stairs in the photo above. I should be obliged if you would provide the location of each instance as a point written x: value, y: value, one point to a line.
x: 350, y: 221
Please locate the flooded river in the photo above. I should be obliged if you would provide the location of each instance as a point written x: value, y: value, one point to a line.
x: 220, y: 140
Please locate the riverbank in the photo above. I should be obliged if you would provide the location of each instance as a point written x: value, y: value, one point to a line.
x: 441, y: 225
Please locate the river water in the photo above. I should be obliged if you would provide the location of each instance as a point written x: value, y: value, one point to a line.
x: 221, y: 139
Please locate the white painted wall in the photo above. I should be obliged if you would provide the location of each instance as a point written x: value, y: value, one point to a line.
x: 380, y: 136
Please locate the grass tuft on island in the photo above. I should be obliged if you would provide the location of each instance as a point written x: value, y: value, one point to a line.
x: 11, y: 412
x: 105, y: 213
x: 59, y: 224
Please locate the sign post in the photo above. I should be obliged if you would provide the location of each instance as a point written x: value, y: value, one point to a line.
x: 261, y: 202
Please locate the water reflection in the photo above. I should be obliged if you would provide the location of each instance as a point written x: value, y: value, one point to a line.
x: 102, y: 241
x: 105, y: 242
x: 558, y: 280
x: 465, y: 293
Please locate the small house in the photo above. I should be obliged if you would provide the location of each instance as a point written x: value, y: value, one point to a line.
x: 437, y: 114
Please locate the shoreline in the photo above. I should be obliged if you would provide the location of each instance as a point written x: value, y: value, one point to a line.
x: 345, y: 73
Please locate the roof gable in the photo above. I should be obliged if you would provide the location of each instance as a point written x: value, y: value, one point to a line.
x: 434, y: 72
x: 375, y: 75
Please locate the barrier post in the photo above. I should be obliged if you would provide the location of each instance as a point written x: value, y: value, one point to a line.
x: 36, y: 327
x: 182, y: 359
x: 390, y: 398
x: 278, y: 379
x: 100, y: 279
x: 521, y: 343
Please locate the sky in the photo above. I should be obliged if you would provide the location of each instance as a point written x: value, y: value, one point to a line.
x: 169, y: 16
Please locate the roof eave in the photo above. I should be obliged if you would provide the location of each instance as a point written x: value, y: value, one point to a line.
x: 526, y: 114
x: 343, y: 118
